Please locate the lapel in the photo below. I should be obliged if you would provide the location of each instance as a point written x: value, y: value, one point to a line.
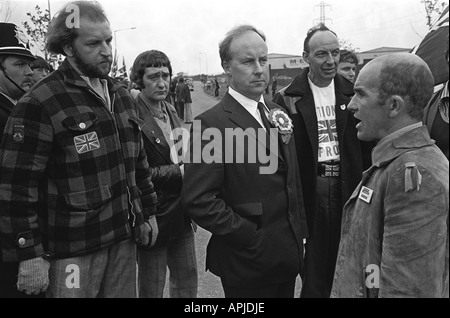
x: 282, y: 147
x: 341, y: 107
x: 306, y: 106
x: 243, y: 119
x: 152, y: 131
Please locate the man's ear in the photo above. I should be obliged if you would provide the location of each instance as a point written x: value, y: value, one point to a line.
x: 226, y: 67
x: 68, y: 50
x: 305, y: 57
x: 396, y: 105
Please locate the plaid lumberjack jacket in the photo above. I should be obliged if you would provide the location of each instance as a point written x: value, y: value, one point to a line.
x: 73, y: 175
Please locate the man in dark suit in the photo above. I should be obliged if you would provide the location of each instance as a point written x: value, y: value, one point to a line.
x: 331, y: 158
x: 253, y: 210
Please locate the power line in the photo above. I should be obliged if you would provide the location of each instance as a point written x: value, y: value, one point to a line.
x: 323, y: 17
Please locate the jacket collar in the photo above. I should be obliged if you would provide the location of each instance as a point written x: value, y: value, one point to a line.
x: 300, y: 85
x: 413, y: 139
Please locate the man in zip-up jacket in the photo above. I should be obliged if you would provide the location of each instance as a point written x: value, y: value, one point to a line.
x: 331, y: 159
x: 75, y: 188
x: 395, y: 236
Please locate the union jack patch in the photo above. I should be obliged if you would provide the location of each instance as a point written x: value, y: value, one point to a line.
x: 87, y: 142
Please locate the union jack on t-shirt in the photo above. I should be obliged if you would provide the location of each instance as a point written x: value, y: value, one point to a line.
x: 327, y: 130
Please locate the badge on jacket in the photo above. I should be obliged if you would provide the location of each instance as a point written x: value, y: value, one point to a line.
x: 365, y: 194
x: 87, y: 142
x: 413, y: 177
x: 18, y: 134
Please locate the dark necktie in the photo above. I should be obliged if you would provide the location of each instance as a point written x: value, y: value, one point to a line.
x: 264, y: 119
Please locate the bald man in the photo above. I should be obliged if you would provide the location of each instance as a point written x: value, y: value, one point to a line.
x: 394, y: 239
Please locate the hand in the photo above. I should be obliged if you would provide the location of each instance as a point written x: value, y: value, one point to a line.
x: 182, y: 171
x: 144, y: 238
x: 154, y: 230
x: 149, y: 233
x: 33, y: 276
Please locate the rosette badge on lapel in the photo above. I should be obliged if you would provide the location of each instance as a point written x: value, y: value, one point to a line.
x: 281, y: 120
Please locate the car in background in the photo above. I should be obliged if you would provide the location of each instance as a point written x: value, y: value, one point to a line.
x: 190, y: 83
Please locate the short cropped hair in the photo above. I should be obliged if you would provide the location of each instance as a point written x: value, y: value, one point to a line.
x: 152, y: 58
x: 349, y: 57
x: 408, y: 80
x: 224, y: 45
x: 59, y: 34
x: 311, y: 32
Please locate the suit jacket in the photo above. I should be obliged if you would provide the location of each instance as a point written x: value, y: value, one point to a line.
x: 298, y: 100
x: 257, y: 220
x: 166, y: 176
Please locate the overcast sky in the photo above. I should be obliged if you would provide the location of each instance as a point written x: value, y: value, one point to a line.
x: 189, y: 31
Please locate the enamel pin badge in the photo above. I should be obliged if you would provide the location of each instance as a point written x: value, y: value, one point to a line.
x: 365, y: 194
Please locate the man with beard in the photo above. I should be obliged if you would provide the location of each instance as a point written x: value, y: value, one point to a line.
x: 15, y: 80
x: 76, y: 193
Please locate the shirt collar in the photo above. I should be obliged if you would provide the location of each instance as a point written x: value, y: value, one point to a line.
x: 247, y: 103
x: 330, y: 86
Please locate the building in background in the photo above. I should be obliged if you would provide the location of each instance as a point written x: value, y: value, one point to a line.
x: 286, y: 66
x: 367, y: 56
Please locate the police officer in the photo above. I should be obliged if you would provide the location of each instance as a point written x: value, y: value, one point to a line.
x: 15, y: 80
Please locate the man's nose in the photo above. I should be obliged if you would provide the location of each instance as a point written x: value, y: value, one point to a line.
x: 28, y: 70
x: 258, y: 68
x: 330, y: 59
x: 352, y: 105
x: 160, y: 81
x: 106, y: 49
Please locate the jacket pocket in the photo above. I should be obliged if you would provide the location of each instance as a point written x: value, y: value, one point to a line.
x: 88, y: 200
x: 136, y: 123
x: 80, y: 122
x: 251, y: 211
